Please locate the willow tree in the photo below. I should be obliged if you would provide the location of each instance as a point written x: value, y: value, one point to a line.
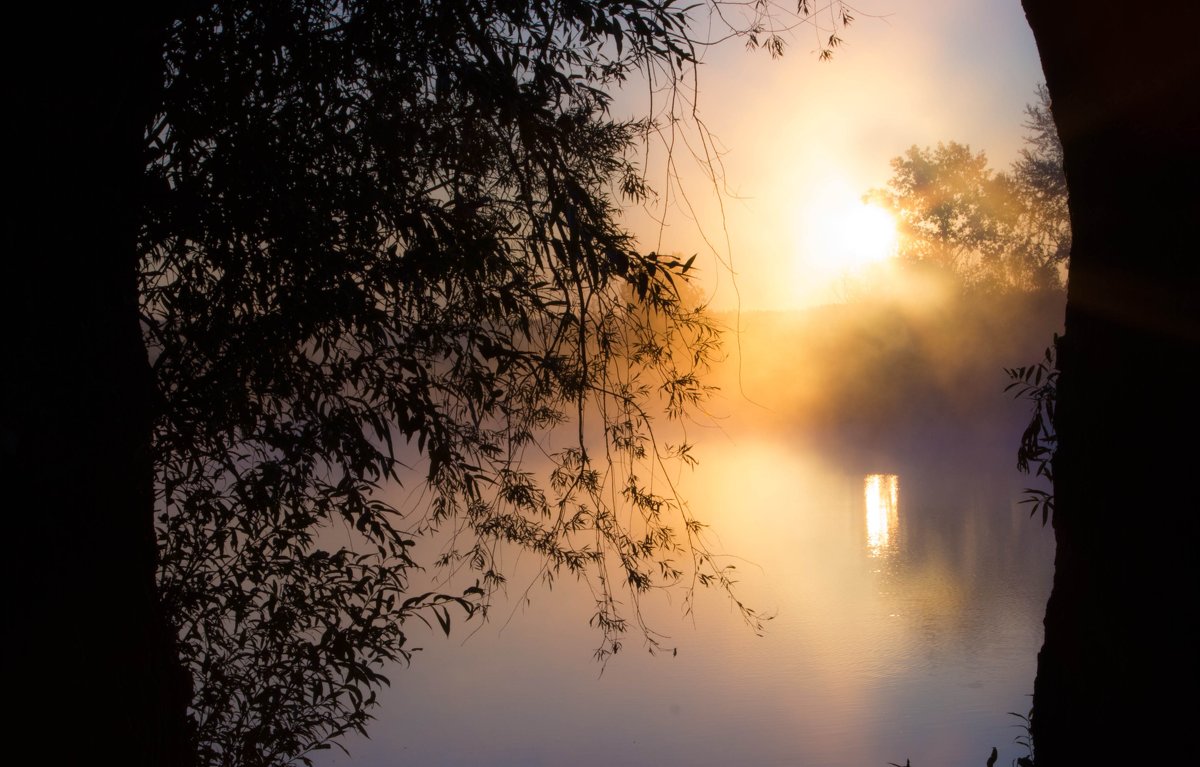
x: 274, y: 258
x: 386, y: 225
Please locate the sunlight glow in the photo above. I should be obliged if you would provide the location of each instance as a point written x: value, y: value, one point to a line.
x: 882, y: 495
x: 860, y: 235
x: 839, y: 241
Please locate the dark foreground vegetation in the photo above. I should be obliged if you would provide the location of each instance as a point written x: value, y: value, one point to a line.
x: 185, y: 132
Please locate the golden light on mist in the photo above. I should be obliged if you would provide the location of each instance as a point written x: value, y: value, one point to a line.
x: 858, y: 235
x: 838, y: 240
x: 882, y: 495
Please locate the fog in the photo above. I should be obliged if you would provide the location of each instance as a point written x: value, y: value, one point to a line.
x: 907, y: 631
x: 896, y: 366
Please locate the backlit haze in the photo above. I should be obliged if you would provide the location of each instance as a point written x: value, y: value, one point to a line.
x: 859, y: 461
x: 804, y: 139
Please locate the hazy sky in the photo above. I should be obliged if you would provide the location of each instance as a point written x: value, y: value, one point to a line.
x: 804, y: 139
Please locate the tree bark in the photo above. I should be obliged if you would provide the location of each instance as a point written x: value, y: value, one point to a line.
x: 1118, y: 655
x: 90, y: 664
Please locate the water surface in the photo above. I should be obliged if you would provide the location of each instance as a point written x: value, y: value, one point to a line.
x: 907, y: 587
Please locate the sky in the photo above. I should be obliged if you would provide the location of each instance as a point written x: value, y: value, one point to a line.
x: 803, y: 139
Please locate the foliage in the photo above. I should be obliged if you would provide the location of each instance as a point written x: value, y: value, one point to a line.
x: 380, y: 246
x: 1037, y: 174
x: 989, y: 231
x: 1026, y: 740
x: 948, y: 204
x: 1038, y: 383
x: 764, y: 24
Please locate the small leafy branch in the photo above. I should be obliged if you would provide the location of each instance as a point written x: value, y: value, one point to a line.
x: 1025, y: 740
x: 1038, y: 383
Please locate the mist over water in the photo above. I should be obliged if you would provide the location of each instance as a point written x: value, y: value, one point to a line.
x: 861, y: 464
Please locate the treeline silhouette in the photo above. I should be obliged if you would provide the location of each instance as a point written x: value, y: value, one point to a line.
x: 887, y: 367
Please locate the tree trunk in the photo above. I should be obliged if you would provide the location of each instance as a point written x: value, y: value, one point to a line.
x: 1116, y: 673
x: 90, y: 665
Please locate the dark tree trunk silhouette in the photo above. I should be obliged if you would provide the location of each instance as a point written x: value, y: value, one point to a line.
x: 90, y: 666
x: 1116, y: 674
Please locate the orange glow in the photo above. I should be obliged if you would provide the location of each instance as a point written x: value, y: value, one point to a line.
x: 882, y: 495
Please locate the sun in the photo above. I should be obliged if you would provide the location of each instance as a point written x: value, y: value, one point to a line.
x: 857, y: 235
x: 839, y: 241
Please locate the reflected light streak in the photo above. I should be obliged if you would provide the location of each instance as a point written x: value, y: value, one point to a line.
x: 882, y: 495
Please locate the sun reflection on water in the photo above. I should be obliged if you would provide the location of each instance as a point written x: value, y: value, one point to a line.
x: 882, y: 495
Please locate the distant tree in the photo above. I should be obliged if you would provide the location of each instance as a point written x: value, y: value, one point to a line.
x: 988, y: 231
x: 1040, y: 236
x: 951, y: 209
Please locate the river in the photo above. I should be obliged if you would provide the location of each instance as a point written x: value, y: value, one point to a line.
x: 906, y: 584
